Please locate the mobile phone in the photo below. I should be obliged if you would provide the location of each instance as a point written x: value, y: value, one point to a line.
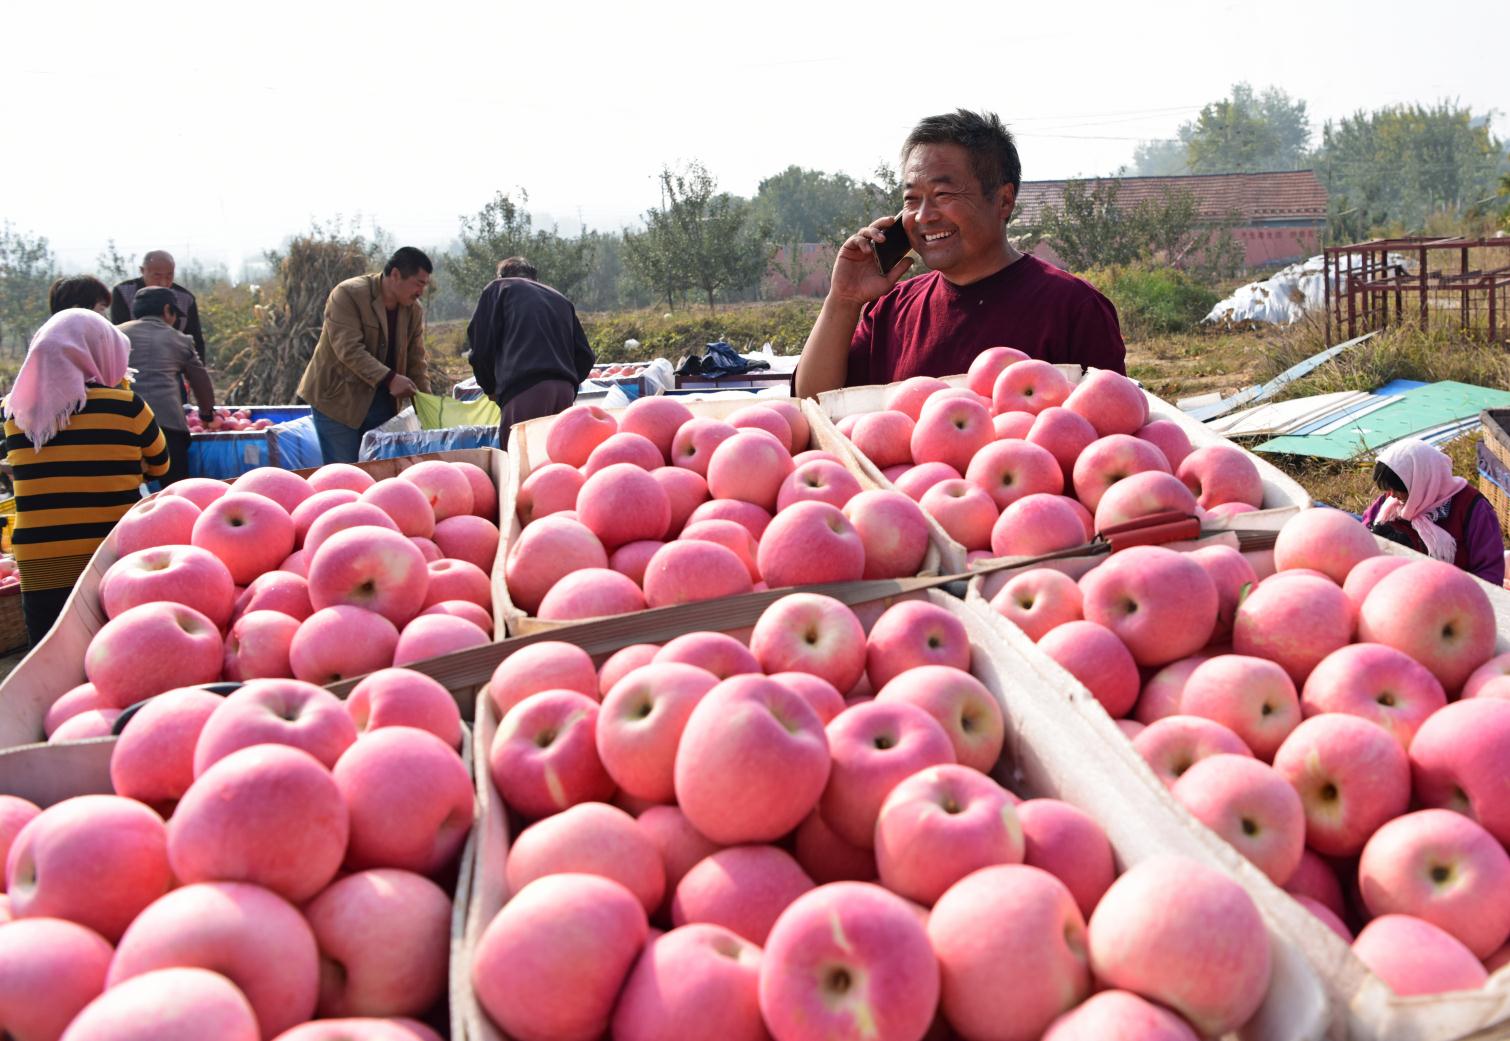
x: 890, y: 253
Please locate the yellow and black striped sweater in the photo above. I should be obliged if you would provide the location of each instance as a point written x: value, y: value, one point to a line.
x: 71, y: 492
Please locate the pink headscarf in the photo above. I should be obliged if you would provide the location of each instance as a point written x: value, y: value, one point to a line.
x: 1429, y: 482
x: 75, y: 346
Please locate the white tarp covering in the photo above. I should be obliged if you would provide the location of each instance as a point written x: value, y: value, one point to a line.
x: 1284, y: 296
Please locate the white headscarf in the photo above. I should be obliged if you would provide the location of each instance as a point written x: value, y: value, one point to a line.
x: 1429, y: 482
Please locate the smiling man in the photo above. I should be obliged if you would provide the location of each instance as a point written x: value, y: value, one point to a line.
x: 960, y: 174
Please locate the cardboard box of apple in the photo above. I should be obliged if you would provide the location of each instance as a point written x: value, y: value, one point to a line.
x: 1343, y: 722
x: 265, y: 858
x: 277, y: 576
x: 1006, y: 459
x: 610, y: 512
x: 800, y: 835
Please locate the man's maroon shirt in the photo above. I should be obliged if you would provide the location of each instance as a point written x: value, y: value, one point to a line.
x: 926, y: 326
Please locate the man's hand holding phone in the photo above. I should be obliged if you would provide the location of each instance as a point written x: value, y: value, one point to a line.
x: 870, y: 261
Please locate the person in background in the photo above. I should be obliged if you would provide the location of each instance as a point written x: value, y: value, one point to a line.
x: 960, y: 174
x: 1433, y: 511
x: 526, y: 346
x: 78, y: 443
x: 163, y: 359
x: 157, y: 270
x: 84, y: 291
x: 371, y: 354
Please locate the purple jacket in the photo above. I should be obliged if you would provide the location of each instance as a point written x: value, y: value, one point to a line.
x: 1481, y: 546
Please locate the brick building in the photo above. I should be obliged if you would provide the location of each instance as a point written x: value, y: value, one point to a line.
x: 1280, y: 216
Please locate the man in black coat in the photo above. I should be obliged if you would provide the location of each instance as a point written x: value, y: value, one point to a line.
x: 527, y: 348
x: 157, y: 270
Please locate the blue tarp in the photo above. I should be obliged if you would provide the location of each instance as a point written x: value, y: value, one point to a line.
x: 378, y: 444
x: 291, y: 445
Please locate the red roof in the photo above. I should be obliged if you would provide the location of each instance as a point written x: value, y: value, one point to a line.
x: 1255, y: 197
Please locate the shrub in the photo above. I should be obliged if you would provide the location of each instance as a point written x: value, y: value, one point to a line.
x: 1153, y: 300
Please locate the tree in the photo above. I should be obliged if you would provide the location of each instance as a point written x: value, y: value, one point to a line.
x: 27, y: 268
x: 1160, y: 159
x: 114, y: 267
x: 807, y: 205
x: 504, y: 228
x: 1089, y: 229
x: 1399, y: 165
x: 701, y: 237
x: 1093, y: 230
x: 1246, y: 133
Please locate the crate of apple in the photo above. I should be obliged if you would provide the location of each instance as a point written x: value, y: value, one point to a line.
x: 268, y: 857
x: 279, y: 576
x: 802, y: 836
x: 1016, y: 458
x: 1343, y: 722
x: 664, y: 503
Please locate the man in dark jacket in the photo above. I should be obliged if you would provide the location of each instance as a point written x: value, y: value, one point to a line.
x: 163, y: 359
x: 528, y: 350
x: 157, y: 270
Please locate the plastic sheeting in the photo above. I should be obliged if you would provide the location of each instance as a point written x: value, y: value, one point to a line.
x: 291, y: 445
x: 436, y: 413
x: 380, y: 444
x: 1283, y: 297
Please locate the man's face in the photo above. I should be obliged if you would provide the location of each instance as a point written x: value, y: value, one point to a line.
x: 408, y: 290
x: 953, y: 224
x: 158, y: 273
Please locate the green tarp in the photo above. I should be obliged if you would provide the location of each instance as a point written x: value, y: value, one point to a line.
x: 1412, y: 413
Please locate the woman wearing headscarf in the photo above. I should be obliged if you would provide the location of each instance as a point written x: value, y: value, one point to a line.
x: 79, y: 445
x: 1427, y: 507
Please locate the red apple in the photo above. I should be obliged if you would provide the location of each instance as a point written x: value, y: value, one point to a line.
x: 384, y: 940
x: 939, y: 825
x: 404, y: 698
x: 163, y: 520
x: 752, y: 762
x: 410, y: 800
x: 151, y: 648
x: 248, y: 934
x: 268, y: 815
x: 745, y: 889
x: 590, y: 838
x: 170, y: 1004
x: 848, y: 959
x: 49, y: 970
x: 544, y: 758
x: 249, y: 533
x: 341, y: 642
x: 283, y: 712
x: 1011, y: 946
x: 186, y: 575
x: 551, y: 964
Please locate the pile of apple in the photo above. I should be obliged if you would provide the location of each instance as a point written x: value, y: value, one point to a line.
x: 1342, y: 723
x: 275, y: 576
x: 268, y: 857
x: 10, y: 573
x: 225, y: 420
x: 604, y: 372
x: 661, y: 507
x: 1021, y: 462
x: 722, y: 846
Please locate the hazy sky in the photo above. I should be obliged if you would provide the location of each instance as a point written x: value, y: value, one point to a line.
x: 216, y: 129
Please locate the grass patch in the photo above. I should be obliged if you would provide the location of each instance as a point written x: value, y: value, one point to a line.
x: 1401, y: 353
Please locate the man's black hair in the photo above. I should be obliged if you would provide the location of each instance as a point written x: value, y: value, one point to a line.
x: 517, y: 267
x: 993, y: 153
x: 84, y: 291
x: 150, y: 301
x: 1387, y: 480
x: 407, y: 260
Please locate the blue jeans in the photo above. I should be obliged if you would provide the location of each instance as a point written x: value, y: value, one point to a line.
x: 340, y: 443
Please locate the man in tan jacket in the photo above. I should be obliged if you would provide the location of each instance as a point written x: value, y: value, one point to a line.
x: 371, y: 354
